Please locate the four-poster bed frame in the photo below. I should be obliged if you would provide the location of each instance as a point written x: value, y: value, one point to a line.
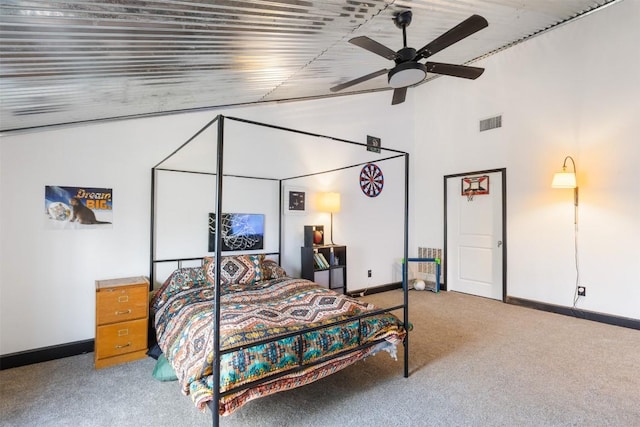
x: 219, y: 175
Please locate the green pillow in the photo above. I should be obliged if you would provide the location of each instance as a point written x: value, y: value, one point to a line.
x: 163, y: 370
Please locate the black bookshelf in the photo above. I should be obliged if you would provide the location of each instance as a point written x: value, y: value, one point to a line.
x: 333, y: 273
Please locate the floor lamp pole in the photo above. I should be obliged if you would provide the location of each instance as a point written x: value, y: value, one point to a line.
x: 332, y: 229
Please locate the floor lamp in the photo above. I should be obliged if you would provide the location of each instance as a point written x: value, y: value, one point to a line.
x: 329, y: 202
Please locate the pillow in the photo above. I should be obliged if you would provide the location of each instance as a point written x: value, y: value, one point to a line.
x: 163, y: 371
x: 235, y: 269
x: 180, y: 279
x: 154, y: 352
x: 271, y: 270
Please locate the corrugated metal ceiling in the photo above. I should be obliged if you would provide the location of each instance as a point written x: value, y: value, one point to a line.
x: 72, y: 61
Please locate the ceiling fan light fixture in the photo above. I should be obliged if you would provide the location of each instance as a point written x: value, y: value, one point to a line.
x: 407, y: 74
x: 407, y: 70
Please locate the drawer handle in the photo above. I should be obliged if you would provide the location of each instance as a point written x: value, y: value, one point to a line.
x: 123, y: 312
x: 123, y: 298
x: 123, y: 345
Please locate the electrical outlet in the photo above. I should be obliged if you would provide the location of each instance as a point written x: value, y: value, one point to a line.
x: 582, y: 291
x: 368, y: 273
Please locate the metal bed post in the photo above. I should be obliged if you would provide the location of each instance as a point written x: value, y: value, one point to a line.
x: 280, y: 213
x: 152, y: 249
x: 216, y: 318
x: 405, y: 285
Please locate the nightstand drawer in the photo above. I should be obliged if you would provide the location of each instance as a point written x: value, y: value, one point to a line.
x: 121, y: 304
x: 121, y: 338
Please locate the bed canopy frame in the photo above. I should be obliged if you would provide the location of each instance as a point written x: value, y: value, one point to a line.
x: 211, y: 161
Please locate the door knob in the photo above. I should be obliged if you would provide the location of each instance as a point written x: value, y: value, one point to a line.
x: 499, y: 243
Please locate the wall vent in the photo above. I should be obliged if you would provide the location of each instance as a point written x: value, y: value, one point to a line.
x: 491, y: 123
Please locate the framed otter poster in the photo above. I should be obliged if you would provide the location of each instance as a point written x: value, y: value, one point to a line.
x: 77, y: 207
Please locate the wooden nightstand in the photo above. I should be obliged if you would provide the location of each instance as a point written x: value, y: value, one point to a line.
x: 122, y: 316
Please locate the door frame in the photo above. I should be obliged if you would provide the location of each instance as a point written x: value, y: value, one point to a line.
x: 503, y: 174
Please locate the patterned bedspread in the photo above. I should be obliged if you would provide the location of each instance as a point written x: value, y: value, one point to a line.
x: 184, y: 327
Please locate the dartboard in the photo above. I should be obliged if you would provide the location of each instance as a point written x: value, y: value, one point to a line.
x: 371, y: 180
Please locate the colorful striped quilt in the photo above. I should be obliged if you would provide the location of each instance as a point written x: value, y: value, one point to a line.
x: 267, y: 309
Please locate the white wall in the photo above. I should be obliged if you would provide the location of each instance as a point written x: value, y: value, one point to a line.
x: 572, y: 91
x: 372, y: 228
x: 47, y: 290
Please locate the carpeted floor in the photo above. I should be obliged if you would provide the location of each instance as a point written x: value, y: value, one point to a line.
x: 473, y: 362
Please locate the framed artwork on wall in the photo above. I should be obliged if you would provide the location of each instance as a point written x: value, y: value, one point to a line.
x: 240, y: 232
x: 295, y: 201
x: 78, y: 207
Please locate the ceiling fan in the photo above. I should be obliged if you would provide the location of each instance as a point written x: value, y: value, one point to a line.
x: 408, y: 71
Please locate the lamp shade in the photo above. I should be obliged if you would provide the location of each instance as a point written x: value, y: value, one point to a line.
x: 329, y: 202
x: 564, y: 180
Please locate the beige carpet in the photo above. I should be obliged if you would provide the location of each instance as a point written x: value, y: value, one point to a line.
x: 473, y: 362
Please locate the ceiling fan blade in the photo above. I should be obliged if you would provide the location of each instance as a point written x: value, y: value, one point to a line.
x: 463, y: 71
x: 358, y: 80
x: 464, y: 29
x: 399, y: 94
x: 373, y: 46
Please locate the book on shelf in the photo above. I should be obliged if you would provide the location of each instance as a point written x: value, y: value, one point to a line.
x: 325, y: 263
x: 318, y: 261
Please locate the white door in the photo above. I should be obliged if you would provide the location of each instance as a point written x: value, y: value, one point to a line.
x: 474, y: 235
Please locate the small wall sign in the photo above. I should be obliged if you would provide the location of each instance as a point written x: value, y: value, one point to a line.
x: 373, y: 143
